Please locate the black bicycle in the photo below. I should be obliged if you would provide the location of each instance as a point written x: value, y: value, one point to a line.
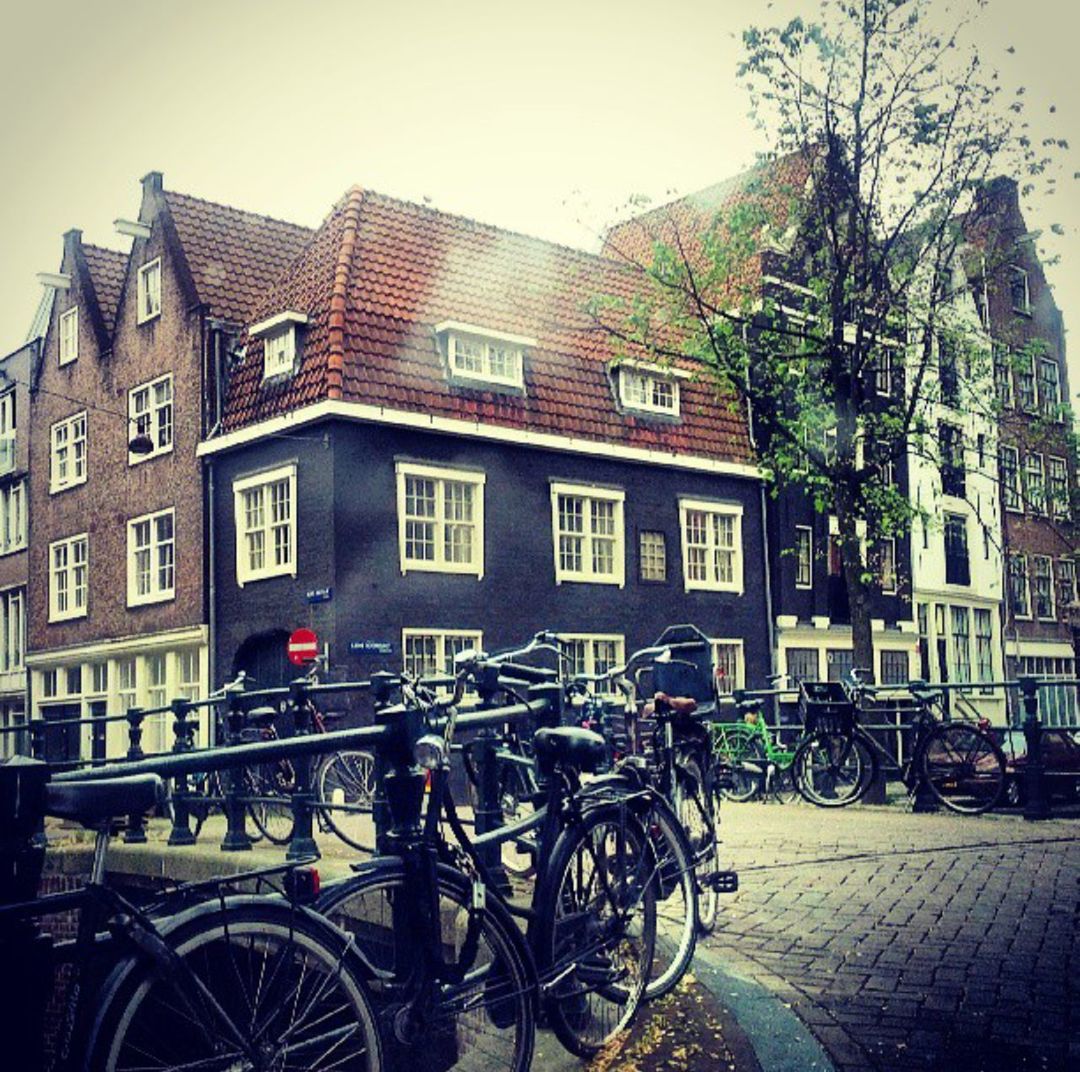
x: 206, y: 978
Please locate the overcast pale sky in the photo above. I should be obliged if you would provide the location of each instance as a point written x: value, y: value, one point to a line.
x: 540, y: 118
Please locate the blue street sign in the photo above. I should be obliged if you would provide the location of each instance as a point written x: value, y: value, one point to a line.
x: 370, y: 647
x: 319, y: 595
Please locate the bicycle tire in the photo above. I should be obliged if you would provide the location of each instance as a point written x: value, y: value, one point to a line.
x: 698, y: 811
x: 747, y: 771
x: 515, y: 802
x: 348, y: 777
x: 288, y: 982
x: 595, y: 927
x: 491, y: 1014
x: 833, y: 770
x: 273, y: 820
x: 963, y: 767
x: 782, y: 785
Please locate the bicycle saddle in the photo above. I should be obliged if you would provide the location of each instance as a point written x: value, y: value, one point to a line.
x: 749, y: 706
x: 677, y: 705
x: 260, y: 716
x: 92, y: 803
x: 571, y: 746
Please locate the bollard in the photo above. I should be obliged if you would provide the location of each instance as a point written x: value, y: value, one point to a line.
x: 487, y: 815
x: 1036, y: 804
x: 302, y: 843
x: 135, y: 834
x: 181, y: 814
x: 236, y: 836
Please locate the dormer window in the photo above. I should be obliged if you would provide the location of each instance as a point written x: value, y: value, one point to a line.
x: 1018, y: 290
x: 279, y: 336
x: 493, y: 358
x: 149, y: 291
x: 69, y: 336
x: 649, y: 388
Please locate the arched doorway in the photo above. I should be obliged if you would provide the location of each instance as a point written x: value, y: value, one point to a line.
x: 263, y: 657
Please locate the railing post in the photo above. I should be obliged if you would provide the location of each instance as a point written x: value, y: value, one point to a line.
x: 1036, y: 804
x: 302, y: 843
x: 382, y: 686
x: 181, y: 815
x: 37, y: 738
x: 236, y: 836
x: 135, y: 834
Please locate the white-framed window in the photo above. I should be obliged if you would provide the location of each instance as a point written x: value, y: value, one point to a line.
x: 1026, y: 394
x: 1018, y: 586
x: 67, y: 455
x: 188, y: 674
x: 440, y: 519
x: 1002, y: 360
x: 68, y: 576
x: 427, y: 652
x: 1035, y: 483
x: 1050, y: 388
x: 127, y: 683
x: 150, y: 410
x: 883, y: 372
x: 728, y: 659
x: 1057, y: 486
x: 156, y: 727
x: 887, y: 565
x: 1042, y: 586
x: 149, y: 291
x: 69, y: 335
x: 151, y: 558
x: 13, y: 517
x: 652, y: 548
x: 895, y: 667
x: 712, y: 545
x: 961, y: 643
x: 264, y: 506
x: 7, y: 431
x: 587, y: 533
x: 592, y: 653
x: 491, y: 357
x: 1019, y: 292
x: 804, y: 556
x: 1066, y: 572
x: 802, y: 664
x: 99, y: 679
x: 12, y: 629
x: 279, y: 352
x: 984, y: 645
x: 1009, y: 468
x: 649, y: 389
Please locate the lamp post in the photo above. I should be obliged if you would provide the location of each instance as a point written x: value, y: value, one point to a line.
x: 1036, y: 805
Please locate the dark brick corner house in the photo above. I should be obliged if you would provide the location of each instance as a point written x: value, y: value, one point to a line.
x: 426, y: 445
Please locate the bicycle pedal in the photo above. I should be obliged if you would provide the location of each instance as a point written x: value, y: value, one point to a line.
x: 724, y: 881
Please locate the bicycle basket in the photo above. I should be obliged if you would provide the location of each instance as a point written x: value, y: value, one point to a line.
x: 825, y: 707
x: 690, y: 670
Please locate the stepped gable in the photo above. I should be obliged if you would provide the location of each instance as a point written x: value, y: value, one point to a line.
x: 107, y: 269
x: 234, y: 256
x: 381, y: 273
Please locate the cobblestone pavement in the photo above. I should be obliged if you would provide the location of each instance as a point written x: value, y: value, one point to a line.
x: 911, y: 942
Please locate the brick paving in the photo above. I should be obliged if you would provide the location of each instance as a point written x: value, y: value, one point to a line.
x: 912, y: 942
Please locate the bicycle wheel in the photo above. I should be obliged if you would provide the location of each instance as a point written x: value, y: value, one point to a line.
x: 596, y: 927
x: 516, y: 787
x: 782, y: 785
x: 963, y: 767
x: 271, y: 810
x: 698, y: 811
x: 833, y: 770
x: 747, y: 771
x: 486, y: 1021
x: 348, y: 779
x: 258, y: 984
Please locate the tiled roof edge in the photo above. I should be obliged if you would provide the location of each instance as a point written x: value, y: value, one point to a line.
x: 335, y: 358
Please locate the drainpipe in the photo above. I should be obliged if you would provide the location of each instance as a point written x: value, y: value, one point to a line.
x: 211, y: 615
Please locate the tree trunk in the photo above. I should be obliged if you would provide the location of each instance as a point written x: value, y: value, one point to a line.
x: 855, y: 570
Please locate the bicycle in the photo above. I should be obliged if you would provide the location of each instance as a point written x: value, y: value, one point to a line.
x: 453, y: 973
x: 205, y: 978
x: 960, y: 764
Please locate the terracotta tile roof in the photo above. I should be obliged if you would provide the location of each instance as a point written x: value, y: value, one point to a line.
x: 380, y: 273
x: 107, y: 268
x: 234, y: 256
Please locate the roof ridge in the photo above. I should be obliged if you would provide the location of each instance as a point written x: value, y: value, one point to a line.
x: 104, y: 249
x: 241, y: 211
x: 335, y: 356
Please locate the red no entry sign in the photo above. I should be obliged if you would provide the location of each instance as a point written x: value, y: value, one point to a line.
x: 303, y: 647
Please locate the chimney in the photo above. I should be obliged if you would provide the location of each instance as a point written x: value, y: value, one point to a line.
x: 153, y: 182
x: 1000, y: 195
x: 72, y: 244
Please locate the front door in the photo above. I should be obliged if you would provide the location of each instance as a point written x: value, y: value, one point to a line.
x: 63, y: 743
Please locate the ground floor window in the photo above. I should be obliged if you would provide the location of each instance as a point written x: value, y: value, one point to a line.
x: 14, y: 740
x: 593, y: 653
x: 430, y: 652
x: 728, y: 659
x: 894, y: 667
x: 1057, y: 704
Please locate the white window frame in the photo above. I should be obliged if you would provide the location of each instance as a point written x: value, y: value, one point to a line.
x: 8, y: 430
x: 590, y: 640
x: 148, y: 296
x: 245, y: 573
x: 804, y: 586
x: 75, y: 475
x: 1035, y: 506
x: 712, y: 583
x: 69, y: 336
x: 1057, y: 507
x: 279, y: 352
x: 509, y: 348
x: 1051, y: 584
x: 13, y: 517
x: 154, y: 548
x: 1001, y: 359
x: 638, y: 376
x: 589, y: 494
x: 1065, y: 579
x: 75, y: 608
x: 655, y: 557
x: 12, y: 630
x: 1012, y: 496
x: 473, y: 637
x: 158, y: 415
x: 883, y: 372
x: 1016, y: 272
x: 739, y: 647
x: 441, y: 476
x: 1022, y: 376
x: 893, y: 587
x: 1047, y: 407
x: 1025, y: 573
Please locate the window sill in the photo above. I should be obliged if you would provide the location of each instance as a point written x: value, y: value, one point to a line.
x: 264, y: 575
x: 410, y: 566
x: 63, y: 363
x: 581, y: 578
x: 138, y: 459
x: 149, y: 318
x: 58, y: 489
x: 149, y: 601
x: 702, y: 586
x: 13, y: 550
x: 69, y: 617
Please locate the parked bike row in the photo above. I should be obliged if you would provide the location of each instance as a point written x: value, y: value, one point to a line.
x: 568, y: 883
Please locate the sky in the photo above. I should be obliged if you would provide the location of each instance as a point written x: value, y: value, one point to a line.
x: 542, y: 118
